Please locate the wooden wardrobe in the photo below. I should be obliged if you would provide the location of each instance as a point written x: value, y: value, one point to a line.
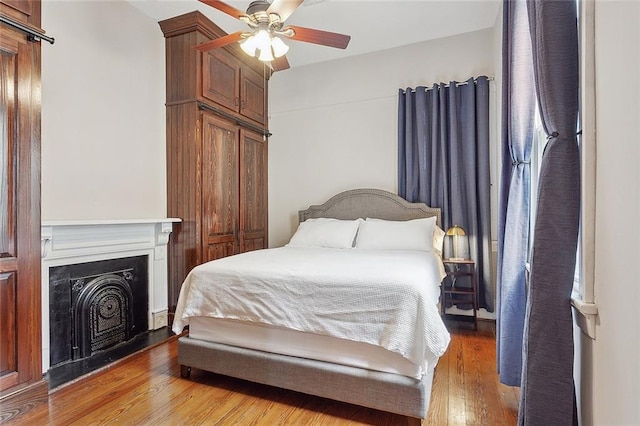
x: 217, y: 128
x: 21, y: 382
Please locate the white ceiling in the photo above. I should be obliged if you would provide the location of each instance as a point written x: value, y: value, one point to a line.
x: 373, y: 24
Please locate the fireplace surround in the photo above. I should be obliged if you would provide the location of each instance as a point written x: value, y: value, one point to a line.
x: 104, y: 292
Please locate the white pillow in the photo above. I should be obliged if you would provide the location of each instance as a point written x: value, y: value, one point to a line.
x: 325, y: 232
x: 414, y: 234
x: 438, y: 240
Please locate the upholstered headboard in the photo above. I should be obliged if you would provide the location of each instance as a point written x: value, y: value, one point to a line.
x: 373, y: 203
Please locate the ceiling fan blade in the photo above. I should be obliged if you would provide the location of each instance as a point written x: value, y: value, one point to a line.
x: 280, y: 64
x: 223, y: 7
x: 284, y: 8
x: 219, y: 42
x: 324, y: 38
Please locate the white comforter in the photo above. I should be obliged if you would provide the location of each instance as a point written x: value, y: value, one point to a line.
x: 380, y: 297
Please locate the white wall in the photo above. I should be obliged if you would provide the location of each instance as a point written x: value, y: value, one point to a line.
x: 103, y: 114
x: 334, y: 124
x: 616, y: 369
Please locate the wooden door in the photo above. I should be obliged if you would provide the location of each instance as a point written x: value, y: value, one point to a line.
x: 20, y: 294
x: 253, y: 99
x: 220, y: 79
x: 219, y: 187
x: 253, y: 191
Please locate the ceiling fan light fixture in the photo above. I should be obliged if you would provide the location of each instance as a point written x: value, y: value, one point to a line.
x: 266, y: 20
x: 263, y: 40
x: 279, y: 47
x: 249, y: 45
x: 266, y: 55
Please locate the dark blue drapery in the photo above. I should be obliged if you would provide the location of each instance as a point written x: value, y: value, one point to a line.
x: 548, y: 394
x: 518, y: 113
x: 443, y: 161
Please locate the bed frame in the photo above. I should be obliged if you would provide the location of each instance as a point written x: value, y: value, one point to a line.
x: 382, y: 391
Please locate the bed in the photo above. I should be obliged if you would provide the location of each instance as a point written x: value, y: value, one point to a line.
x: 358, y: 325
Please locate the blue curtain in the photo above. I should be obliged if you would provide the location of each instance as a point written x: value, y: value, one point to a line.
x: 518, y: 112
x: 548, y: 394
x: 443, y: 161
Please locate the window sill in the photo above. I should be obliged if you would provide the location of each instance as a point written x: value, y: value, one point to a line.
x: 585, y: 315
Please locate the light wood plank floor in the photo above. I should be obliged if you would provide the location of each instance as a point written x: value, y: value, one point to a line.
x: 146, y: 389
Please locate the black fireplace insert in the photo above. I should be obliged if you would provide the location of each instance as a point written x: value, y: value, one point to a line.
x: 96, y: 306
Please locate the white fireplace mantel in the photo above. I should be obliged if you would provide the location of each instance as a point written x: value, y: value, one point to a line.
x: 71, y: 242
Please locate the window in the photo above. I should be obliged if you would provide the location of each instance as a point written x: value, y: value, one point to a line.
x: 583, y: 298
x: 583, y: 290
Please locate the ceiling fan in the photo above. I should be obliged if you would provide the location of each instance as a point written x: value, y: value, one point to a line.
x: 266, y: 22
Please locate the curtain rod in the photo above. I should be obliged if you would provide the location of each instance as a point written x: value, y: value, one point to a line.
x: 462, y: 83
x: 32, y: 34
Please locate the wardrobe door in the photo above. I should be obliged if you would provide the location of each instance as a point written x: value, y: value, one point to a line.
x: 219, y: 187
x: 220, y: 79
x: 253, y: 95
x: 20, y: 303
x: 253, y: 191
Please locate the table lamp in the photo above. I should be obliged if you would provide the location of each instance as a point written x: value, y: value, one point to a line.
x: 455, y: 232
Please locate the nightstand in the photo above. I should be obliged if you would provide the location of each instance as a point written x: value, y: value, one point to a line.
x: 456, y: 269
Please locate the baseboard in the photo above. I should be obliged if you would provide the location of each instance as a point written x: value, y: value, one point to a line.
x: 482, y: 313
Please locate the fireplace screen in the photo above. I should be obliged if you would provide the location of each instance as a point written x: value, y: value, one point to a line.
x: 102, y: 311
x: 96, y: 306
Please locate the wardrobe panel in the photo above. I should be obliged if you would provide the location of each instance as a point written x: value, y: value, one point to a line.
x: 253, y: 190
x: 7, y: 155
x: 252, y: 94
x: 220, y: 77
x: 220, y: 183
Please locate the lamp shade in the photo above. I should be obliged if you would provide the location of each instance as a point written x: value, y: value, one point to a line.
x: 249, y: 45
x: 279, y: 47
x: 263, y: 40
x: 458, y: 244
x: 456, y: 230
x: 266, y: 55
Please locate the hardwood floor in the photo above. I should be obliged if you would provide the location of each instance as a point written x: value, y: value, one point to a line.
x: 466, y: 389
x: 69, y: 371
x: 146, y: 389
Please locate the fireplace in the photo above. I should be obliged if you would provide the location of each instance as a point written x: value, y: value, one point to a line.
x: 103, y: 283
x: 96, y: 306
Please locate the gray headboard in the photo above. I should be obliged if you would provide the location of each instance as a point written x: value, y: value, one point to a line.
x: 373, y: 203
